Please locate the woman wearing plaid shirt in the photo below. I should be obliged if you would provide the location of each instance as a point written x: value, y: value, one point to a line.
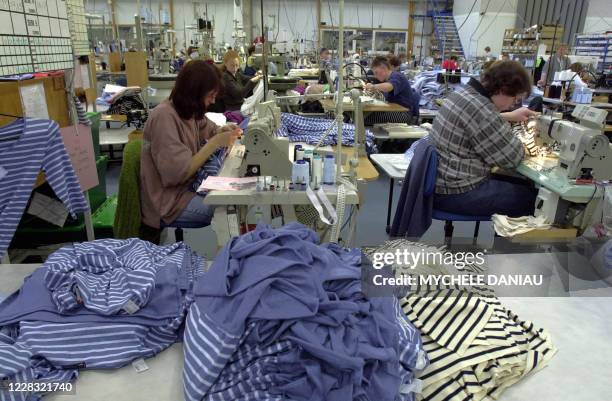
x: 472, y: 135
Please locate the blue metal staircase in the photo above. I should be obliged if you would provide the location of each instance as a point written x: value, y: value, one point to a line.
x: 447, y: 41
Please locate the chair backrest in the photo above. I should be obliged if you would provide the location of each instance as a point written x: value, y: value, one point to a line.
x: 432, y: 174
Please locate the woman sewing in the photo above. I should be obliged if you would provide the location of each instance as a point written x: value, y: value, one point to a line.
x: 396, y: 89
x: 178, y: 141
x: 236, y: 85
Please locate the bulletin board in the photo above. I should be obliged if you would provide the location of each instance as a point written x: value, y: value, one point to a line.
x: 34, y: 36
x: 78, y: 27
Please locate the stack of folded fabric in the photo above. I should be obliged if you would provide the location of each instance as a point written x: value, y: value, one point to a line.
x: 99, y: 305
x: 476, y: 347
x: 281, y: 317
x: 311, y: 130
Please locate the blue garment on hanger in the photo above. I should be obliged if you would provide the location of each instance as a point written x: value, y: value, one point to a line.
x: 279, y: 316
x: 27, y: 146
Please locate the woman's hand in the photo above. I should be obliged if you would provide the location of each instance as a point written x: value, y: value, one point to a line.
x: 226, y: 135
x: 369, y: 86
x: 256, y: 78
x: 519, y: 115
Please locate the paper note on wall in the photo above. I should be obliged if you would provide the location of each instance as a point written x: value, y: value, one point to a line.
x: 34, y: 101
x: 48, y: 209
x: 79, y: 145
x: 84, y: 68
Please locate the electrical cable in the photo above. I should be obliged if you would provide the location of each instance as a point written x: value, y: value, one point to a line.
x: 467, y: 16
x: 478, y: 26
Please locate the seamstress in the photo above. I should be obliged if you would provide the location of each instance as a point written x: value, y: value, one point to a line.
x: 325, y: 65
x: 236, y: 85
x: 556, y: 63
x: 472, y: 135
x: 396, y: 89
x: 178, y: 141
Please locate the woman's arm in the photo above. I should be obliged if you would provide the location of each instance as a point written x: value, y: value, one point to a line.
x: 383, y: 87
x: 224, y: 137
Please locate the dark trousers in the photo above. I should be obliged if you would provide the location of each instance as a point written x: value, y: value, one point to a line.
x: 507, y: 196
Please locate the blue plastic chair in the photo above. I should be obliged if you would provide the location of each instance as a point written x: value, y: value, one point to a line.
x: 448, y: 218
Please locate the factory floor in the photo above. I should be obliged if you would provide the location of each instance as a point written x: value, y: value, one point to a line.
x: 576, y: 309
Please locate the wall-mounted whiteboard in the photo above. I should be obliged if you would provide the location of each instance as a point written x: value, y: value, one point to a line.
x: 34, y: 36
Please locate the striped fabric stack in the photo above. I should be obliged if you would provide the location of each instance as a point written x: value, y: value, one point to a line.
x: 312, y: 130
x: 280, y: 317
x: 476, y: 347
x: 100, y: 304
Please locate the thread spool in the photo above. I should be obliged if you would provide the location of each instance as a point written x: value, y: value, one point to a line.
x: 308, y: 156
x: 329, y: 170
x: 295, y: 152
x: 317, y: 170
x: 299, y: 154
x: 300, y: 173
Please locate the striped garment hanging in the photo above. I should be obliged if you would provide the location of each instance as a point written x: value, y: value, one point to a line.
x: 28, y: 146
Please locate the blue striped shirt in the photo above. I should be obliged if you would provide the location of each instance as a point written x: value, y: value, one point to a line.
x: 87, y: 335
x: 26, y: 147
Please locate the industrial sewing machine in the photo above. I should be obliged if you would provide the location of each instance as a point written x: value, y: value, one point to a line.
x: 566, y: 178
x: 265, y: 154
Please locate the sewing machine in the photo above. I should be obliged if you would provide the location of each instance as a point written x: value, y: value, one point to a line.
x: 565, y: 178
x: 584, y: 150
x: 265, y: 154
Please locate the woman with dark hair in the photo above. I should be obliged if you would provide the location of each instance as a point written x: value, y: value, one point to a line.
x: 396, y: 89
x: 472, y: 135
x: 178, y: 141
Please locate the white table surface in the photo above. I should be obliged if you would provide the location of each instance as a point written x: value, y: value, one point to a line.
x: 385, y: 162
x: 580, y: 326
x: 115, y: 136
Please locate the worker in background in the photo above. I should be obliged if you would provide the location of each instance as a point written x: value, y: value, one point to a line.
x: 487, y: 54
x: 178, y: 141
x: 249, y: 69
x: 472, y: 135
x: 556, y: 63
x: 450, y: 64
x: 325, y: 65
x: 236, y: 85
x: 396, y: 89
x: 540, y: 64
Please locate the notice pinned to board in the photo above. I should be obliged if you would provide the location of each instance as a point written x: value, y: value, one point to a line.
x: 84, y: 68
x: 48, y: 209
x: 34, y: 101
x: 79, y: 145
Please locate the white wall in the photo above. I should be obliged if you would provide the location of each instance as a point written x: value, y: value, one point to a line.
x: 466, y: 21
x: 485, y: 25
x: 599, y: 16
x: 296, y: 18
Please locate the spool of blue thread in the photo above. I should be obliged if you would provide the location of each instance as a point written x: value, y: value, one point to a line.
x: 329, y: 170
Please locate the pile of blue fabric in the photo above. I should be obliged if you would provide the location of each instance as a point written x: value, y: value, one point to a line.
x: 311, y: 130
x: 280, y: 316
x: 425, y: 83
x: 99, y: 305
